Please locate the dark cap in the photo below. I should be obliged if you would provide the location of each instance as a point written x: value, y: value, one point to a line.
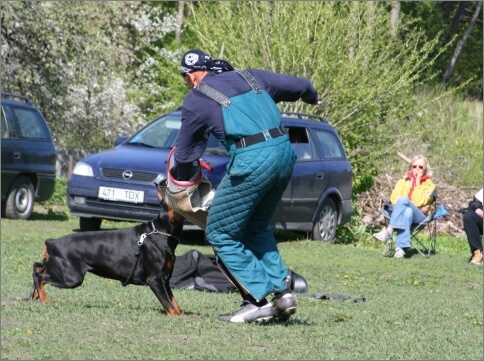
x: 194, y: 60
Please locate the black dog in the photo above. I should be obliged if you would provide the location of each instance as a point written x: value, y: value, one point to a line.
x: 140, y: 255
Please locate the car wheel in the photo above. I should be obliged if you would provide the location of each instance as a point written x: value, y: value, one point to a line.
x: 325, y: 227
x: 89, y: 224
x: 20, y: 200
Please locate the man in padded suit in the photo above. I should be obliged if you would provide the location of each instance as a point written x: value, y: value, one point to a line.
x: 239, y: 108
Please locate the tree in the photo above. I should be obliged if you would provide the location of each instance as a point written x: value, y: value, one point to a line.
x: 366, y: 78
x: 452, y: 19
x: 86, y: 65
x: 179, y: 20
x: 460, y: 44
x: 394, y: 18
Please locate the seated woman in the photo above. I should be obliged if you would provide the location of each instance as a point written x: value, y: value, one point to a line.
x: 473, y: 228
x: 411, y: 199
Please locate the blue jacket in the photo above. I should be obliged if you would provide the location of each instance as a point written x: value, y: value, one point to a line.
x: 202, y: 115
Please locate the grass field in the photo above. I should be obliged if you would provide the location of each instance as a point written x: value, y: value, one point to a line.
x: 415, y: 308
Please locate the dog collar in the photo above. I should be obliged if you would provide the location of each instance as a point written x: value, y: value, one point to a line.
x: 154, y: 231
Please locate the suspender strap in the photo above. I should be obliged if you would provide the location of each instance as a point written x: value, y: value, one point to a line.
x: 213, y: 94
x: 222, y: 99
x: 249, y: 78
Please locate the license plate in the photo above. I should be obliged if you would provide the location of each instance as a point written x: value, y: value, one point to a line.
x: 121, y: 195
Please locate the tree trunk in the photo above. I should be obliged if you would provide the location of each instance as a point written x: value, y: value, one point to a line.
x: 460, y: 44
x: 179, y: 21
x: 394, y: 18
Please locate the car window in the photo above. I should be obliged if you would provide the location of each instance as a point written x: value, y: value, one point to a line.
x: 4, y: 126
x: 298, y: 136
x: 163, y: 133
x: 29, y: 123
x: 330, y: 145
x: 8, y: 127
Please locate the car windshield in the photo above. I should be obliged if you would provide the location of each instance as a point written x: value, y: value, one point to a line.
x: 163, y: 133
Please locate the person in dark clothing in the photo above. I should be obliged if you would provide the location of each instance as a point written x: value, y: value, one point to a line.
x: 239, y: 108
x: 473, y: 227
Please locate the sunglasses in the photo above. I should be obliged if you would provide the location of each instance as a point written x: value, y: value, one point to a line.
x: 415, y: 166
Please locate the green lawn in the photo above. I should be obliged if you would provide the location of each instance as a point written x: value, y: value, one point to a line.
x: 415, y: 308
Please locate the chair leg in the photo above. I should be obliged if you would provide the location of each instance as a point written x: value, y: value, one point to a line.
x: 424, y: 250
x: 389, y: 250
x: 432, y: 237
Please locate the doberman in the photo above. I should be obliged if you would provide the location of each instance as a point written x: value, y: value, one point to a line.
x: 140, y: 255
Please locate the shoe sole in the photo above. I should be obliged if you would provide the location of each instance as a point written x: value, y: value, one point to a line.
x: 263, y: 319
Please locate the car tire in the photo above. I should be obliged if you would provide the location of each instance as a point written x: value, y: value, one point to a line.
x: 89, y: 224
x: 324, y: 228
x: 20, y: 200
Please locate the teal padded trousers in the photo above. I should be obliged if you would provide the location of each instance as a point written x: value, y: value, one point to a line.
x: 241, y: 211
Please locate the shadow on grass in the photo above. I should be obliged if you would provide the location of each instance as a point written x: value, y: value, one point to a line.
x: 197, y: 237
x: 49, y: 216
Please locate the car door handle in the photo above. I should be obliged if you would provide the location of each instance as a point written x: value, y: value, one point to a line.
x: 16, y: 155
x: 320, y: 175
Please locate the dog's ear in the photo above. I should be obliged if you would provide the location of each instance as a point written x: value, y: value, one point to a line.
x: 161, y: 184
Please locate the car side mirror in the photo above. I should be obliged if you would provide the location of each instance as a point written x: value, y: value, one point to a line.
x: 120, y: 140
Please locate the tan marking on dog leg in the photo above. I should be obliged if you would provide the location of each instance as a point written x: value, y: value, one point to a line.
x: 42, y: 295
x: 39, y: 293
x: 37, y: 268
x: 45, y: 254
x: 176, y: 311
x: 170, y: 264
x: 35, y: 294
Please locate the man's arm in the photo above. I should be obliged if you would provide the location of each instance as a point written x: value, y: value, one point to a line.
x: 282, y: 87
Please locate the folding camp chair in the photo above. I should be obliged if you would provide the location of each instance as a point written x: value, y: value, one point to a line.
x: 423, y: 245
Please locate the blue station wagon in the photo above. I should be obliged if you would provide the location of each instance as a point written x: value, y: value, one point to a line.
x: 117, y: 184
x: 28, y: 157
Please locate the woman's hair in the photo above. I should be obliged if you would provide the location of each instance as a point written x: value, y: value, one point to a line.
x: 428, y: 170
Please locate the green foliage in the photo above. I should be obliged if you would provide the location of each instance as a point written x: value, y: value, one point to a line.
x: 406, y: 301
x: 448, y: 131
x: 55, y: 206
x: 102, y: 69
x: 458, y: 146
x: 366, y: 79
x: 59, y: 197
x: 73, y: 62
x: 84, y: 65
x: 447, y: 18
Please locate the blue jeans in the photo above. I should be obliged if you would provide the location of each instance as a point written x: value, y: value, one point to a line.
x: 404, y: 214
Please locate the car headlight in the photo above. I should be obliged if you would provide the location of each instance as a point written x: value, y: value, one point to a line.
x: 83, y: 169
